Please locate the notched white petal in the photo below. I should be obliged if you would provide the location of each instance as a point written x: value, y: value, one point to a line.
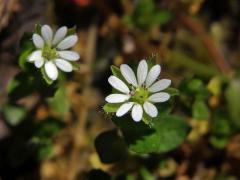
x: 63, y: 65
x: 124, y: 108
x: 67, y: 42
x: 69, y: 55
x: 137, y: 112
x: 118, y: 84
x: 150, y: 109
x: 51, y: 70
x: 47, y: 34
x: 142, y: 71
x: 128, y: 74
x: 39, y: 63
x: 159, y: 97
x: 153, y: 75
x: 36, y: 55
x: 117, y: 98
x: 160, y: 85
x: 38, y: 41
x: 59, y: 35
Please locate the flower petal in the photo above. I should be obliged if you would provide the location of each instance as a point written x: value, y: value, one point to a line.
x: 117, y: 98
x: 63, y: 65
x: 51, y: 70
x: 39, y: 63
x: 159, y: 97
x: 36, y: 55
x: 118, y: 84
x: 38, y: 41
x: 68, y: 42
x: 153, y: 75
x: 69, y: 55
x: 142, y: 71
x: 59, y: 35
x: 124, y: 109
x: 128, y: 74
x: 150, y: 109
x: 47, y: 34
x: 160, y: 85
x: 137, y: 112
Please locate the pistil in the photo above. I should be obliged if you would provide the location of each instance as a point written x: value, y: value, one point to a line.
x: 49, y: 53
x: 140, y: 95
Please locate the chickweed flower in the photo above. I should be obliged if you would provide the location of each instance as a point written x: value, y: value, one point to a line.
x: 138, y: 94
x: 52, y: 51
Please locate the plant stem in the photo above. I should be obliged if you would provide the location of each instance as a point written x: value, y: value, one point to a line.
x: 207, y: 41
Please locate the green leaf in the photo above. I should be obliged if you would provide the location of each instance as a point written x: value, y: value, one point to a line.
x: 191, y: 90
x: 127, y: 20
x: 60, y: 102
x: 145, y: 7
x: 232, y: 97
x: 110, y: 146
x: 24, y: 84
x: 221, y: 126
x: 215, y: 85
x: 23, y: 63
x: 143, y: 13
x: 219, y: 142
x: 45, y: 151
x: 111, y: 108
x: 195, y: 85
x: 14, y: 114
x: 146, y: 175
x: 47, y: 128
x: 26, y: 48
x: 43, y: 134
x: 162, y: 17
x: 45, y: 77
x: 12, y: 85
x: 146, y: 15
x: 21, y: 86
x: 166, y: 134
x: 200, y: 110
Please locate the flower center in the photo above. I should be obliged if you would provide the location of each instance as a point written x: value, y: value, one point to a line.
x: 140, y: 95
x: 49, y: 53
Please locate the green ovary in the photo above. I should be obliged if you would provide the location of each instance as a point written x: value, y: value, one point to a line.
x: 140, y: 95
x: 49, y: 53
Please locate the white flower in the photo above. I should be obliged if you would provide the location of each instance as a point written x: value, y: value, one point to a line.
x: 52, y: 51
x: 138, y: 94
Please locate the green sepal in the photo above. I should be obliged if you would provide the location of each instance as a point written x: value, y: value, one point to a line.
x: 38, y: 28
x: 71, y: 31
x: 116, y: 71
x: 172, y: 91
x: 111, y: 108
x: 45, y: 77
x: 76, y: 66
